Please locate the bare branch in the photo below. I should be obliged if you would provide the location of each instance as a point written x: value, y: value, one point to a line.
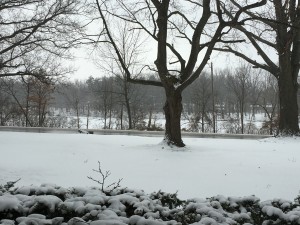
x: 104, y: 175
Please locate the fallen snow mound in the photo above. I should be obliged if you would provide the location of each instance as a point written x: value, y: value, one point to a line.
x: 51, y: 204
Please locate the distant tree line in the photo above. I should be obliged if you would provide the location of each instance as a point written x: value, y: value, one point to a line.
x: 235, y: 97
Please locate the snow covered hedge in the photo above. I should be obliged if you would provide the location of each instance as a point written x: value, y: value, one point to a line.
x: 50, y: 204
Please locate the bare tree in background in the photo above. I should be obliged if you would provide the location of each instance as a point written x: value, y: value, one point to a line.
x: 75, y: 95
x: 275, y: 28
x: 32, y: 97
x: 131, y: 47
x: 9, y: 110
x: 255, y: 92
x: 40, y: 99
x: 268, y: 101
x: 238, y: 83
x: 201, y: 98
x: 165, y: 22
x: 104, y: 100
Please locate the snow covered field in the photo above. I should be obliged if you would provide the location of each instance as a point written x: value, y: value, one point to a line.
x: 267, y: 168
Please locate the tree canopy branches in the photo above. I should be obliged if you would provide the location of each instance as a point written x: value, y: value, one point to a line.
x: 45, y: 29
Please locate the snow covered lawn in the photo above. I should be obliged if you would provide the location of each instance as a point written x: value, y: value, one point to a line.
x: 268, y: 168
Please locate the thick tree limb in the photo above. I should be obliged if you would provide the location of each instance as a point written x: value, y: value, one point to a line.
x: 119, y: 56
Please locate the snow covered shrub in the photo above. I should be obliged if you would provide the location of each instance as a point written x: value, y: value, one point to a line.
x: 279, y: 211
x: 44, y: 189
x: 8, y: 186
x: 243, y: 210
x: 270, y: 126
x: 232, y: 126
x: 10, y: 206
x: 37, y: 219
x: 44, y: 204
x: 251, y: 128
x: 169, y: 200
x: 51, y: 204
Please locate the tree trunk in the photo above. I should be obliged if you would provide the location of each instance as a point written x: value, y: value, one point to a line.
x: 27, y: 108
x: 289, y: 54
x: 173, y: 109
x: 202, y: 122
x: 121, y: 117
x: 288, y: 120
x: 242, y: 117
x: 110, y: 118
x: 271, y: 126
x: 150, y: 120
x: 78, y: 120
x: 105, y: 118
x: 128, y: 108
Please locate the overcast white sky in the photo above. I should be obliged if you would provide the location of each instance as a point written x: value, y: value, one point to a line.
x: 86, y: 67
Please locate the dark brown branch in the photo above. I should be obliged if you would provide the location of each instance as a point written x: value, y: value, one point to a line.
x: 251, y: 61
x: 119, y: 56
x: 184, y: 17
x: 196, y: 40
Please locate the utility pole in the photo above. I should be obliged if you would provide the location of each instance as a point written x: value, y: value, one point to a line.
x: 213, y: 97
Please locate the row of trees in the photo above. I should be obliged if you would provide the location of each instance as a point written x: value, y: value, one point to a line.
x: 25, y: 101
x: 269, y: 26
x: 227, y: 96
x: 121, y: 105
x: 230, y: 96
x: 30, y: 102
x: 35, y: 34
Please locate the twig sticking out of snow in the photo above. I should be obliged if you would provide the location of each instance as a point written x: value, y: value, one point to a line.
x: 104, y: 176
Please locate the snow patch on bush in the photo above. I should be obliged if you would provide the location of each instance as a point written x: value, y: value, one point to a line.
x: 9, y: 202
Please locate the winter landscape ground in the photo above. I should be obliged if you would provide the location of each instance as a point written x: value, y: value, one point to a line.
x: 268, y: 168
x: 54, y: 188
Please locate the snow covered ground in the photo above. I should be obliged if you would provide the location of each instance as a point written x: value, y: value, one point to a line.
x: 267, y: 168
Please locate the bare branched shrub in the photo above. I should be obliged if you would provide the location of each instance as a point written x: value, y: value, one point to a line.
x: 103, y: 177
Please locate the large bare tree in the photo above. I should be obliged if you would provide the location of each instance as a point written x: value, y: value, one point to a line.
x: 169, y: 23
x: 275, y: 28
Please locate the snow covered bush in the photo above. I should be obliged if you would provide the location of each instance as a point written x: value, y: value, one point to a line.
x: 51, y: 204
x: 7, y: 187
x: 167, y: 199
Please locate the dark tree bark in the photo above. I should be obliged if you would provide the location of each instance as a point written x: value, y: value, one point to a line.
x: 173, y: 104
x: 173, y: 110
x: 288, y: 47
x: 126, y: 94
x: 288, y: 88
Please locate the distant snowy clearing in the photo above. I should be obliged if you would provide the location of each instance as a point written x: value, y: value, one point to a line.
x: 267, y: 168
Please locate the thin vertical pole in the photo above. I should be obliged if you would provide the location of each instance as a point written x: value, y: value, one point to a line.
x: 213, y: 97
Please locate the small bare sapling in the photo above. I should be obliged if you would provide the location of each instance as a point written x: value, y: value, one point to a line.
x: 103, y: 179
